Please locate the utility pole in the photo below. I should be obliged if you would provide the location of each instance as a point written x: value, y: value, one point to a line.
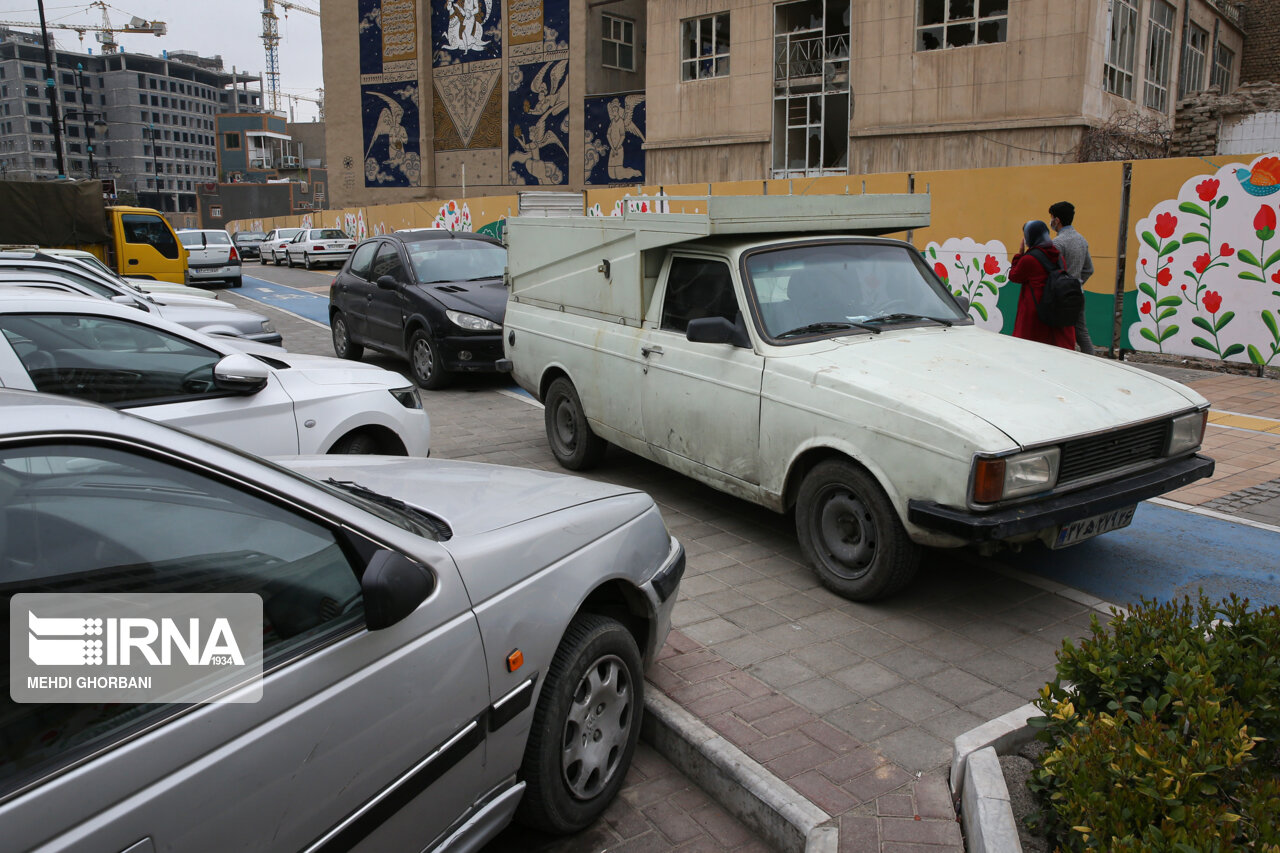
x: 84, y: 114
x: 51, y: 82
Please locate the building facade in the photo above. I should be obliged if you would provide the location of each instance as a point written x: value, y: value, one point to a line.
x: 147, y: 122
x: 441, y: 97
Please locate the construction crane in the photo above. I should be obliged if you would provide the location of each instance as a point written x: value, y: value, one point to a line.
x: 104, y: 32
x: 271, y: 41
x: 318, y: 101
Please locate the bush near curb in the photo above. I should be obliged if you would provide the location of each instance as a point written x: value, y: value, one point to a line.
x: 1163, y: 732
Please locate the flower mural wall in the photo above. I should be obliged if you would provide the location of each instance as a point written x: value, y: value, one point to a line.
x: 1208, y: 272
x: 976, y: 271
x: 453, y: 216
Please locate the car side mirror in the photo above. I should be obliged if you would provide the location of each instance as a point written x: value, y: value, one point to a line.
x: 393, y: 587
x: 387, y: 282
x: 241, y: 373
x: 717, y: 330
x: 123, y: 299
x: 963, y: 302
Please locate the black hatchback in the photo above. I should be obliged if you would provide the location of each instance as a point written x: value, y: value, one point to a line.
x: 433, y: 297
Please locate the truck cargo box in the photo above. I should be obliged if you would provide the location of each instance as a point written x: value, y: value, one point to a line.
x: 607, y: 266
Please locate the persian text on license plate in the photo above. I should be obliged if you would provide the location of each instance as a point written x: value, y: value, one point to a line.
x: 1087, y: 528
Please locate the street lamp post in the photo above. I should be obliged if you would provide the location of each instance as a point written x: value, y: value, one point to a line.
x: 84, y: 114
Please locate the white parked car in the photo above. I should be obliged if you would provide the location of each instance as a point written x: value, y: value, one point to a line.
x: 272, y: 246
x: 267, y: 404
x: 313, y: 247
x: 91, y: 262
x: 211, y: 256
x: 767, y: 350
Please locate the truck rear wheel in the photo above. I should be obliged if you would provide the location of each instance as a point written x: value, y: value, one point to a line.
x: 851, y: 535
x: 573, y: 444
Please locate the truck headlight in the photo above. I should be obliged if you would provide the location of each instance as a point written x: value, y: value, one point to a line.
x: 1007, y: 477
x: 471, y: 322
x: 1187, y: 432
x: 407, y: 396
x: 267, y: 327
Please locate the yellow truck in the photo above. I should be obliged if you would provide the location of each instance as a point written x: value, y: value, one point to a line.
x: 134, y: 241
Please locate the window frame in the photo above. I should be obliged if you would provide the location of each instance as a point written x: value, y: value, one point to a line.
x: 1191, y: 76
x: 716, y: 62
x: 1121, y: 50
x: 1155, y: 86
x: 1222, y: 72
x: 614, y: 34
x: 976, y: 19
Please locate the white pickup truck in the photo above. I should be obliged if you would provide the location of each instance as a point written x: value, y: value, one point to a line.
x: 772, y: 349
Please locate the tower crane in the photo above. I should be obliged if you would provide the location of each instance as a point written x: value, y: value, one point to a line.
x: 271, y: 41
x: 104, y: 32
x: 318, y: 101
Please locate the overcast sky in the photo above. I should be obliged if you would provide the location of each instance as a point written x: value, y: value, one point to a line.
x: 232, y: 28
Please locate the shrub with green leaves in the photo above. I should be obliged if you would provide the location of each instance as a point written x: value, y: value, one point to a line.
x: 1163, y: 730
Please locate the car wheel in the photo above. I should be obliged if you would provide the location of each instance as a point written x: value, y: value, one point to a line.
x: 425, y: 362
x: 850, y: 533
x: 356, y: 443
x: 262, y: 259
x: 306, y: 260
x: 236, y: 282
x: 584, y: 728
x: 275, y: 259
x: 573, y: 444
x: 343, y: 346
x: 288, y: 260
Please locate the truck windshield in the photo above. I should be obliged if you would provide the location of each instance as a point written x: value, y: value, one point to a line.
x: 841, y: 287
x: 149, y: 230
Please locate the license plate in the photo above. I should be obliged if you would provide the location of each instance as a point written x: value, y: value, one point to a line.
x: 1087, y: 528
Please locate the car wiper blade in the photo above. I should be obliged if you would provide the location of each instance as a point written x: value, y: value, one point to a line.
x: 816, y: 328
x: 436, y: 526
x: 903, y: 317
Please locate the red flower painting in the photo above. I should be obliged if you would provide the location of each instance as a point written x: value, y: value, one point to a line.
x: 990, y: 265
x: 1207, y: 190
x: 1164, y: 276
x: 941, y: 269
x: 1201, y: 263
x: 1146, y: 308
x: 1265, y: 220
x: 1167, y: 223
x: 1226, y: 251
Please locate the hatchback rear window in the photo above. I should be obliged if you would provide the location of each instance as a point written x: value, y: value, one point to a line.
x: 199, y: 239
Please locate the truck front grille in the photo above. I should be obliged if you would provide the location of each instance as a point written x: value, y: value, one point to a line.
x: 1089, y: 457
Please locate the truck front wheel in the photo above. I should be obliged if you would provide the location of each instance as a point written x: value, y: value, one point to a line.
x: 851, y: 535
x: 572, y: 442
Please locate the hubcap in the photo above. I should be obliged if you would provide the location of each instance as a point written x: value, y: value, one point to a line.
x: 847, y: 533
x: 340, y: 336
x: 596, y: 727
x: 566, y: 426
x: 422, y: 359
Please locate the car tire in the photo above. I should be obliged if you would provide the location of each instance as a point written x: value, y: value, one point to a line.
x: 275, y: 260
x: 288, y: 260
x: 343, y: 346
x: 585, y: 727
x: 262, y: 259
x: 306, y: 261
x: 425, y: 362
x: 572, y: 442
x: 237, y: 281
x: 356, y: 443
x: 851, y: 534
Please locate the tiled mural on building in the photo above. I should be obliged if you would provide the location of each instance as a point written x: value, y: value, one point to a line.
x: 614, y: 139
x: 466, y: 57
x: 389, y: 109
x: 538, y: 92
x: 1209, y: 267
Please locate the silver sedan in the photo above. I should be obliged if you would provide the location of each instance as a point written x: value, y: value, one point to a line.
x: 446, y: 646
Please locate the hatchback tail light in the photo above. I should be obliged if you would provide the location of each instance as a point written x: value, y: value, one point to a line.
x: 235, y: 256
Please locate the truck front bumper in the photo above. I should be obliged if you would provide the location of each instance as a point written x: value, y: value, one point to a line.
x: 1055, y: 511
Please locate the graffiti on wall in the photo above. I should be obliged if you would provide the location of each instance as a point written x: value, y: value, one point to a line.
x: 389, y: 110
x: 538, y: 92
x: 614, y: 130
x: 453, y: 216
x: 976, y: 271
x: 1209, y: 267
x: 656, y: 203
x: 466, y: 37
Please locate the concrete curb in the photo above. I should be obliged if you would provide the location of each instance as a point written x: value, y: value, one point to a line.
x: 783, y: 817
x: 977, y: 782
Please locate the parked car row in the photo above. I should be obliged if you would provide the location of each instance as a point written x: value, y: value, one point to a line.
x: 306, y: 247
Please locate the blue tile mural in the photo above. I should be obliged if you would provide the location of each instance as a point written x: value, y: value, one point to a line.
x: 538, y: 123
x: 614, y: 127
x: 465, y: 31
x: 389, y: 109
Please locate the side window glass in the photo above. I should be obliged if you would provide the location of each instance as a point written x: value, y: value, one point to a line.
x: 697, y: 288
x: 362, y: 260
x: 387, y: 262
x: 151, y: 231
x: 91, y: 519
x: 108, y: 360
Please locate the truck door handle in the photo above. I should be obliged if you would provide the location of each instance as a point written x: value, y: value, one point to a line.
x: 133, y: 261
x: 648, y: 351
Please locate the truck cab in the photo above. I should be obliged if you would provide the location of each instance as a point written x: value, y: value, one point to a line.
x: 144, y: 245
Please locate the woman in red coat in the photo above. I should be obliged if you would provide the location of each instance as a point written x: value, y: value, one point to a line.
x: 1028, y: 272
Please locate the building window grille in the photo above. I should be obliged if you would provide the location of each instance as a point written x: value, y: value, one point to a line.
x: 810, y: 91
x: 704, y: 50
x: 960, y: 23
x: 618, y: 48
x: 1224, y: 60
x: 1122, y: 38
x: 1195, y: 52
x: 1159, y: 56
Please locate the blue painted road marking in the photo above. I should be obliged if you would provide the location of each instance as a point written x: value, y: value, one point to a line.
x: 304, y: 303
x: 1166, y: 553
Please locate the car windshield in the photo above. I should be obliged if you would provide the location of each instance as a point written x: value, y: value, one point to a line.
x: 844, y: 287
x: 329, y: 234
x: 456, y: 260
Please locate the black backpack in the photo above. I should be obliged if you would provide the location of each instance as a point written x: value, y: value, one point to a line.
x: 1063, y: 298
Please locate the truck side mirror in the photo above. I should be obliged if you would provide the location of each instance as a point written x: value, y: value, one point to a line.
x: 964, y: 303
x: 717, y: 330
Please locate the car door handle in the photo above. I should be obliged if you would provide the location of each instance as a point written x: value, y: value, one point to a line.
x: 648, y: 351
